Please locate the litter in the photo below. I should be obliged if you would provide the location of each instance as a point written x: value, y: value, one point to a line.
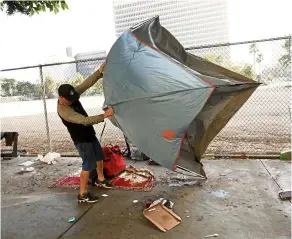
x: 26, y: 164
x: 49, y: 158
x: 168, y: 204
x: 135, y: 201
x: 29, y: 169
x: 285, y: 195
x: 71, y: 219
x: 104, y: 195
x: 162, y: 217
x: 219, y: 193
x: 214, y: 235
x: 148, y: 204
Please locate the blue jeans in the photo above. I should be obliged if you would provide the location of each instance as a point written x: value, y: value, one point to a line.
x: 90, y: 152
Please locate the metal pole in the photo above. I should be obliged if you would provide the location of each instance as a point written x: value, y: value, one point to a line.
x: 45, y: 109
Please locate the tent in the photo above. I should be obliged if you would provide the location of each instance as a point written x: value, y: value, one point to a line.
x: 168, y: 102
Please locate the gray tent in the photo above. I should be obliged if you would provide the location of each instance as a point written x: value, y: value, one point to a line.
x: 168, y: 102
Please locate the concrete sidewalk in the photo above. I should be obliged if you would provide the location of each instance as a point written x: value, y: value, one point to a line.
x: 239, y: 200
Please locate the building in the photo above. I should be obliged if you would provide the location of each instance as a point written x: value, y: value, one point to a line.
x: 192, y: 22
x: 62, y: 72
x: 88, y: 67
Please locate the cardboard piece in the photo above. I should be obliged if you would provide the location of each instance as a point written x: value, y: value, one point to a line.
x: 162, y: 217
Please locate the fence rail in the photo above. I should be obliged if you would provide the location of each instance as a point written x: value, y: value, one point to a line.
x: 261, y: 126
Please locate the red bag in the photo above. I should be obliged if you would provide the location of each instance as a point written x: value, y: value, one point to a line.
x: 114, y: 162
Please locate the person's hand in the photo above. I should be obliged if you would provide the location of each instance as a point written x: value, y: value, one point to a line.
x: 101, y: 68
x: 108, y: 113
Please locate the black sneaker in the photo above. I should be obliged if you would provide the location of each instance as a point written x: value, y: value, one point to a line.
x: 87, y: 197
x: 103, y: 184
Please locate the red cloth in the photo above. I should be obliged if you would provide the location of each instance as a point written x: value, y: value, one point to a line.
x: 131, y: 179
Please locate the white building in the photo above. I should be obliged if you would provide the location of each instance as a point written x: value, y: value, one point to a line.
x: 88, y: 67
x: 192, y: 22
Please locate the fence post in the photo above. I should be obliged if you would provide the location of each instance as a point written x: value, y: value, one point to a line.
x: 45, y: 108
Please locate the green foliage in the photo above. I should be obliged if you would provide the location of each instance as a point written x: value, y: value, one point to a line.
x: 8, y: 87
x: 259, y: 58
x: 285, y: 60
x: 253, y: 49
x: 29, y: 8
x: 93, y: 90
x: 26, y: 88
x: 77, y: 80
x: 50, y: 87
x: 11, y: 87
x: 244, y: 69
x: 96, y: 88
x: 214, y: 58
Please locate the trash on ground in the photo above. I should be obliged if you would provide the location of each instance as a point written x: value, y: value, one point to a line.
x: 213, y: 235
x: 285, y: 195
x: 164, y: 202
x: 285, y: 155
x: 136, y: 154
x: 135, y: 201
x: 148, y: 204
x: 222, y: 174
x: 200, y: 218
x: 26, y: 164
x: 162, y: 217
x: 29, y: 169
x: 152, y: 162
x: 49, y: 158
x: 104, y: 195
x: 71, y: 219
x: 220, y: 193
x: 168, y: 204
x: 175, y: 179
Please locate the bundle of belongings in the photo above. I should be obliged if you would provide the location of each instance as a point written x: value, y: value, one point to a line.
x: 11, y: 139
x: 113, y: 163
x: 168, y: 102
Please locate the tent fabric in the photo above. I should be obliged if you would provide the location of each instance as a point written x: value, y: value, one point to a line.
x: 169, y: 103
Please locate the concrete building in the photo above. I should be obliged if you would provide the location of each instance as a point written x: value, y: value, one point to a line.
x: 192, y: 22
x: 88, y: 67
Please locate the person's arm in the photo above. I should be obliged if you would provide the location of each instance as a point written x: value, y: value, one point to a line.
x: 90, y: 81
x: 72, y: 116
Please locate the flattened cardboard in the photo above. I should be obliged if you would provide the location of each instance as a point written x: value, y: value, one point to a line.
x: 162, y: 217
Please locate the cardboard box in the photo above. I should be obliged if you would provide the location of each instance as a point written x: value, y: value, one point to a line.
x: 162, y: 217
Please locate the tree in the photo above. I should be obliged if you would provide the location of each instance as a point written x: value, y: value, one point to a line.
x: 214, y: 58
x: 26, y: 88
x: 77, y: 80
x: 285, y: 60
x: 96, y: 88
x: 259, y: 60
x: 253, y: 49
x: 50, y: 87
x: 244, y: 69
x: 8, y: 87
x: 29, y: 8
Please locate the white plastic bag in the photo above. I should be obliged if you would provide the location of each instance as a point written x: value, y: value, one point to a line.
x: 49, y: 158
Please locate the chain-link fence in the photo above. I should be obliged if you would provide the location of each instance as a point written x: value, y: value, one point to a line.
x: 262, y: 126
